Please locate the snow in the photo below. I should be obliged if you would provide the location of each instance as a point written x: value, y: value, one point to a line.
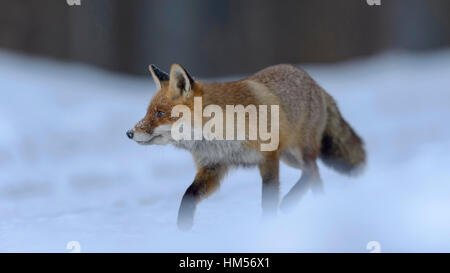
x: 69, y: 173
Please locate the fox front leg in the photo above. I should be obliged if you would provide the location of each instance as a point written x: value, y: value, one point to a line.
x: 205, y: 183
x: 269, y: 170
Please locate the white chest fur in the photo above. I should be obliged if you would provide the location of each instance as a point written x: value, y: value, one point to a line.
x: 229, y: 152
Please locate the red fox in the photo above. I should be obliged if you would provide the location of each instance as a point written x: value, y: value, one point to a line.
x: 310, y: 127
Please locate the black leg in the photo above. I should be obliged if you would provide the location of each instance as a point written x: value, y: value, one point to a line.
x: 206, y: 182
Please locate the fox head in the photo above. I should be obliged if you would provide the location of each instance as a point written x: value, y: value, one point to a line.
x: 178, y: 88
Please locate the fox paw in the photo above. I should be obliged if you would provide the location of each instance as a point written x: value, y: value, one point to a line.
x: 185, y: 224
x: 287, y: 204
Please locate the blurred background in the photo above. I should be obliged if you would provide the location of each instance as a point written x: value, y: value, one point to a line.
x: 74, y: 79
x: 220, y: 37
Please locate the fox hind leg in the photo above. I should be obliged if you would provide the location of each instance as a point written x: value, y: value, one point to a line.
x: 310, y: 179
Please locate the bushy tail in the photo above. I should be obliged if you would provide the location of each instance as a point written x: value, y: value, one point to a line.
x: 342, y: 149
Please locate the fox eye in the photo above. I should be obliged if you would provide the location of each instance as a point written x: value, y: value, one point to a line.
x: 159, y: 114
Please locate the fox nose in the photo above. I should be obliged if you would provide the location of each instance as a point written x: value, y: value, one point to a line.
x: 130, y: 134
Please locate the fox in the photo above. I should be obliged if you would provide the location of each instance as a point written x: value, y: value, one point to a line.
x: 311, y: 127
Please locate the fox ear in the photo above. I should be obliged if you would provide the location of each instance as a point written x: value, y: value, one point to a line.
x: 181, y: 83
x: 158, y: 75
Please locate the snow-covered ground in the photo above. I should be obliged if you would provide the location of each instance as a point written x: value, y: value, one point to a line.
x: 68, y: 172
